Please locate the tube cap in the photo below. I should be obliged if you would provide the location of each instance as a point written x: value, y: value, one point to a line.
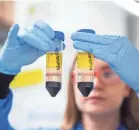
x: 59, y: 35
x: 87, y: 31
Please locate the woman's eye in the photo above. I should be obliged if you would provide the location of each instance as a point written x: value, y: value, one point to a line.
x: 108, y: 74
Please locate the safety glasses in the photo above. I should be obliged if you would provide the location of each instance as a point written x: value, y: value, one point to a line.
x: 106, y: 76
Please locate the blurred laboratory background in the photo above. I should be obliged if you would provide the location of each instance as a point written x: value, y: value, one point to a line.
x: 33, y: 106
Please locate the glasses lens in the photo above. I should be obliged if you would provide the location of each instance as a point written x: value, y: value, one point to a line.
x: 110, y: 77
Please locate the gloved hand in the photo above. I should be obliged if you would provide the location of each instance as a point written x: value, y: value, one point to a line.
x: 24, y: 49
x: 117, y: 51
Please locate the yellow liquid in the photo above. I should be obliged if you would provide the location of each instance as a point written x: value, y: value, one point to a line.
x: 85, y: 67
x: 53, y: 66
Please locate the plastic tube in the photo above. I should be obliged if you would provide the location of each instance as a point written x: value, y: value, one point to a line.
x: 54, y: 66
x: 85, y: 69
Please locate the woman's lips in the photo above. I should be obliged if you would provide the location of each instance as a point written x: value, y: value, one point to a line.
x: 96, y: 99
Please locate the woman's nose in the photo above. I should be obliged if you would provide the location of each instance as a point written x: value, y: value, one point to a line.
x: 97, y: 83
x: 96, y: 73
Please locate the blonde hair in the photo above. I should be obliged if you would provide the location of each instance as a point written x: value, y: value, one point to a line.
x: 129, y: 109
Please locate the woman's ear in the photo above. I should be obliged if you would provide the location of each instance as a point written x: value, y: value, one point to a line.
x: 127, y: 91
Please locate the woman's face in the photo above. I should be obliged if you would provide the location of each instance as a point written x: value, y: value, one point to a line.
x: 108, y: 92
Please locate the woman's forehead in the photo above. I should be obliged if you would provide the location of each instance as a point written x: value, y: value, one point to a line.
x: 100, y: 63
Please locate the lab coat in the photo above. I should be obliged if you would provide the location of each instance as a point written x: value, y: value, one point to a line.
x: 5, y: 107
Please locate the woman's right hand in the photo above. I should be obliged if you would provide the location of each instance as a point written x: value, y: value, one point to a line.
x: 26, y: 48
x: 117, y: 51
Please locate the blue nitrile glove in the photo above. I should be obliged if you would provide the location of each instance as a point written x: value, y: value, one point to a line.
x: 25, y: 48
x: 117, y: 51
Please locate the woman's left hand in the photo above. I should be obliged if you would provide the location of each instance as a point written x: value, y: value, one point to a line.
x: 117, y: 51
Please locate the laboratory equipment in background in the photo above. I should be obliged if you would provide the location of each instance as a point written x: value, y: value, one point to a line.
x: 6, y: 19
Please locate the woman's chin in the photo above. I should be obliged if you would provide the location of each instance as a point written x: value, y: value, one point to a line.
x: 95, y: 109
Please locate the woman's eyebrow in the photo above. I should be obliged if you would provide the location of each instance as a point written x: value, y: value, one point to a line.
x: 104, y: 67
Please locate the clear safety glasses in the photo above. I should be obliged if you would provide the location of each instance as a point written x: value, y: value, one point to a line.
x: 106, y: 76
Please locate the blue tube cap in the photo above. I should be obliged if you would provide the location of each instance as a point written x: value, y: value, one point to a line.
x: 59, y: 35
x: 87, y: 31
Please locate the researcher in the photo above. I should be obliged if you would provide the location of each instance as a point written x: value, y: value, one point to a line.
x: 111, y: 105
